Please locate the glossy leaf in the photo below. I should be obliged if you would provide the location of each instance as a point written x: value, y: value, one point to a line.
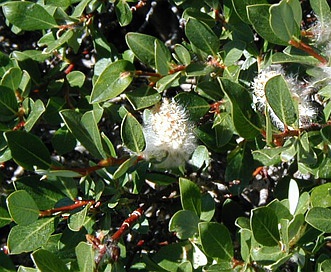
x: 12, y: 79
x: 281, y: 20
x: 243, y: 117
x: 28, y: 238
x: 319, y: 218
x: 28, y: 150
x: 259, y: 17
x: 85, y: 257
x: 73, y: 121
x: 321, y: 196
x: 123, y: 13
x: 77, y: 219
x: 76, y: 79
x: 166, y: 81
x: 183, y: 55
x: 143, y: 97
x: 8, y: 104
x: 63, y: 141
x: 22, y: 208
x: 132, y: 134
x: 112, y: 81
x: 190, y: 196
x: 48, y: 261
x: 5, y: 218
x: 162, y: 58
x: 280, y: 100
x: 184, y: 223
x: 142, y: 46
x: 196, y: 106
x: 293, y: 196
x: 28, y: 16
x: 264, y: 225
x: 240, y: 7
x: 322, y: 9
x: 202, y: 36
x: 216, y: 241
x: 37, y: 109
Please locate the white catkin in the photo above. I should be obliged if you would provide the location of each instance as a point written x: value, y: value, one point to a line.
x: 169, y: 136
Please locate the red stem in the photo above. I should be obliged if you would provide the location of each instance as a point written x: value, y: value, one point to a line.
x: 77, y: 204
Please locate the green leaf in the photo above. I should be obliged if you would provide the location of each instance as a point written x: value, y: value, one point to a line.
x: 207, y: 208
x: 123, y: 13
x: 76, y: 79
x: 85, y: 257
x: 182, y: 54
x: 240, y: 7
x: 143, y: 97
x: 77, y: 220
x: 280, y: 99
x: 319, y: 218
x: 281, y: 20
x: 259, y: 17
x: 162, y: 58
x: 112, y: 81
x: 264, y: 225
x: 196, y: 106
x: 223, y: 127
x: 43, y: 192
x: 190, y: 196
x: 200, y: 157
x: 22, y: 208
x: 142, y: 46
x: 12, y: 78
x: 8, y: 104
x: 63, y: 141
x: 321, y: 196
x: 28, y: 150
x: 73, y: 121
x: 28, y: 238
x: 90, y: 121
x: 244, y: 119
x: 48, y: 261
x: 124, y: 167
x: 293, y: 196
x: 132, y: 134
x: 37, y: 109
x: 28, y: 16
x: 166, y: 81
x: 322, y: 10
x: 233, y: 52
x: 5, y: 218
x: 201, y: 36
x: 268, y: 157
x: 184, y: 223
x: 216, y: 241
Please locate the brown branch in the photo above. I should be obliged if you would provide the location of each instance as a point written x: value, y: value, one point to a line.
x: 77, y: 204
x: 308, y: 49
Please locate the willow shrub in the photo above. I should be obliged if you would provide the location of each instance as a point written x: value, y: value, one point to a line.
x: 258, y: 94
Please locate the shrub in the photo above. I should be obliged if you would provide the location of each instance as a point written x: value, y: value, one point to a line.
x: 165, y: 136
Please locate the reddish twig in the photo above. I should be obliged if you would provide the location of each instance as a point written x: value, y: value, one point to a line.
x: 109, y: 248
x: 77, y: 204
x: 301, y: 45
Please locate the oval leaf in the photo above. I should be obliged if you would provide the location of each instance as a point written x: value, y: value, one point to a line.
x: 22, y: 208
x: 264, y: 225
x: 280, y: 100
x: 48, y: 261
x: 28, y: 16
x: 216, y: 241
x: 132, y: 134
x: 85, y: 257
x: 28, y: 150
x: 28, y: 238
x: 142, y: 46
x: 184, y: 224
x: 320, y: 218
x: 201, y: 36
x: 112, y: 81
